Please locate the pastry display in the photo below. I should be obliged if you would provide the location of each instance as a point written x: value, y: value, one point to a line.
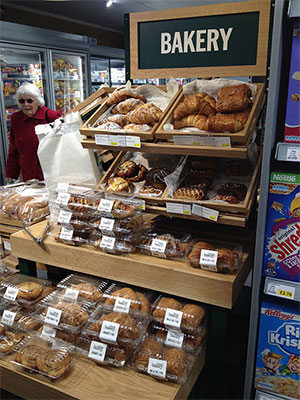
x: 120, y: 95
x: 138, y: 301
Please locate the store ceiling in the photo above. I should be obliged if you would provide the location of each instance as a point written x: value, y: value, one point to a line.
x: 96, y: 13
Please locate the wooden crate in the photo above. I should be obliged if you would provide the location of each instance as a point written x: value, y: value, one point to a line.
x: 241, y: 138
x: 144, y: 135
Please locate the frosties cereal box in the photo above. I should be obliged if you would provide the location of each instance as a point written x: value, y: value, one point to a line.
x: 278, y: 350
x: 282, y: 238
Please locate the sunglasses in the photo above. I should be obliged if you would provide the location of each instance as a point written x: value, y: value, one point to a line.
x: 22, y: 101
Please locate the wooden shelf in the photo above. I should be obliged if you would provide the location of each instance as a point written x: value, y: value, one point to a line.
x: 169, y: 276
x: 88, y: 381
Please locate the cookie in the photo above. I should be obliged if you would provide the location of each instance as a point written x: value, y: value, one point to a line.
x: 29, y: 290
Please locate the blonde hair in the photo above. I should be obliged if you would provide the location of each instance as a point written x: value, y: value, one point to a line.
x: 31, y: 90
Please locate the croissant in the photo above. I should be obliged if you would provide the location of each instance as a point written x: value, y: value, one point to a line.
x: 127, y: 105
x: 135, y: 127
x: 119, y: 119
x: 119, y: 95
x: 198, y: 121
x: 200, y: 103
x: 227, y: 122
x: 233, y: 98
x: 145, y: 114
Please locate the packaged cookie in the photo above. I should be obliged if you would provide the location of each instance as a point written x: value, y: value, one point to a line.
x: 84, y: 287
x: 49, y: 357
x: 17, y: 317
x: 116, y: 327
x: 104, y: 353
x: 119, y: 297
x: 162, y: 362
x: 216, y: 256
x: 9, y: 339
x: 24, y: 290
x: 179, y: 314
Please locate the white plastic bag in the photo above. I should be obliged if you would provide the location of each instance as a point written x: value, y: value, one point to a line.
x: 61, y: 154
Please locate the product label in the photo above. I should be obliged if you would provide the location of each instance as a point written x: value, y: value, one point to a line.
x: 122, y: 305
x: 7, y: 245
x: 66, y: 233
x: 97, y: 351
x: 208, y: 260
x: 64, y: 216
x: 174, y: 339
x: 173, y: 318
x: 107, y: 224
x: 177, y: 208
x: 202, y: 141
x: 8, y: 317
x: 157, y: 367
x: 158, y: 246
x: 133, y: 141
x: 63, y: 198
x: 71, y: 294
x: 293, y: 154
x: 119, y: 141
x: 205, y: 212
x: 62, y: 187
x: 48, y: 331
x: 279, y: 290
x: 53, y: 316
x: 101, y: 140
x: 107, y: 242
x: 11, y: 293
x: 106, y: 205
x: 109, y: 331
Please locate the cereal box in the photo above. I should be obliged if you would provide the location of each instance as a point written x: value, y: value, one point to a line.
x: 282, y: 238
x: 278, y: 351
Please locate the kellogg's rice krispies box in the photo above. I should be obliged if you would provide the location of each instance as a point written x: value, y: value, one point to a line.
x: 282, y: 239
x: 278, y: 351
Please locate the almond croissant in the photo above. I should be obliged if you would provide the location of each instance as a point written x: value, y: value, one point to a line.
x: 119, y: 119
x: 145, y: 114
x: 198, y: 121
x: 200, y: 103
x: 227, y: 122
x: 127, y: 105
x: 120, y: 95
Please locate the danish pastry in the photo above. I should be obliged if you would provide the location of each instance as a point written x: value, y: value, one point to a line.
x: 28, y: 355
x: 155, y: 177
x: 122, y: 210
x: 237, y: 190
x: 227, y: 199
x: 127, y: 169
x: 53, y: 362
x: 200, y: 103
x: 9, y: 341
x: 233, y: 98
x: 190, y: 193
x: 29, y: 290
x: 119, y: 95
x: 118, y: 184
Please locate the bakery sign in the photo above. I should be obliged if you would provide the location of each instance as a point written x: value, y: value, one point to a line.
x: 217, y: 40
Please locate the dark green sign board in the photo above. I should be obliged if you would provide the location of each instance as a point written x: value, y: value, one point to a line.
x: 208, y: 41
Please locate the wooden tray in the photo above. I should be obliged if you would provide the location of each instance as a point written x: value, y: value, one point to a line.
x: 144, y: 135
x: 242, y: 137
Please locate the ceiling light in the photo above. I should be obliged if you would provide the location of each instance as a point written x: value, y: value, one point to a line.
x: 109, y: 3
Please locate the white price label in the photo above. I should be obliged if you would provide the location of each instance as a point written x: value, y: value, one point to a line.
x: 0, y: 240
x: 293, y: 154
x: 97, y: 351
x: 62, y: 187
x: 122, y: 305
x: 133, y: 141
x: 173, y: 318
x: 107, y: 242
x: 66, y: 233
x: 8, y: 317
x: 279, y: 290
x: 48, y: 331
x: 106, y: 205
x: 11, y: 293
x: 53, y: 316
x: 174, y: 339
x: 109, y: 331
x: 157, y: 367
x: 63, y: 198
x: 193, y: 140
x: 107, y: 224
x: 101, y: 140
x: 7, y: 245
x: 177, y: 208
x: 118, y: 141
x: 71, y: 294
x: 205, y: 212
x: 158, y: 246
x: 64, y: 216
x: 143, y: 205
x: 208, y: 260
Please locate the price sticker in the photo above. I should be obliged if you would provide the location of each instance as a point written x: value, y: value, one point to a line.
x: 64, y: 216
x: 133, y: 141
x: 62, y: 187
x: 66, y: 233
x: 48, y: 331
x: 63, y: 198
x: 208, y: 260
x: 109, y: 331
x: 205, y: 212
x: 279, y: 290
x: 106, y: 205
x: 97, y: 351
x: 158, y: 246
x: 107, y: 224
x: 8, y: 317
x: 71, y: 294
x: 177, y: 208
x: 101, y: 140
x: 119, y: 141
x: 53, y: 316
x: 107, y: 242
x: 0, y: 240
x: 173, y: 318
x: 11, y: 293
x: 7, y: 245
x: 157, y: 367
x: 293, y: 154
x: 174, y: 339
x: 143, y: 205
x: 122, y: 305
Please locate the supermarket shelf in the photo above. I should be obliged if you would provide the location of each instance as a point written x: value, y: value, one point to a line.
x: 88, y: 381
x: 288, y: 152
x: 173, y: 277
x: 282, y: 288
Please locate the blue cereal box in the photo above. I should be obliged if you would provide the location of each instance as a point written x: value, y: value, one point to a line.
x: 282, y: 239
x: 278, y: 351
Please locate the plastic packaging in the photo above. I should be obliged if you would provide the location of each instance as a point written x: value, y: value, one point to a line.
x: 6, y: 272
x: 113, y: 245
x: 161, y: 362
x: 68, y: 235
x: 9, y: 340
x: 47, y: 331
x: 213, y: 255
x: 17, y: 317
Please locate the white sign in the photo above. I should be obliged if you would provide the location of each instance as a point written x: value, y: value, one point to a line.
x: 107, y: 242
x: 106, y: 205
x: 97, y: 351
x: 177, y: 208
x: 63, y: 198
x: 66, y: 233
x: 101, y: 140
x: 53, y: 316
x: 118, y: 140
x: 202, y: 141
x: 293, y: 154
x: 11, y: 293
x: 280, y: 290
x: 174, y: 339
x: 205, y: 212
x: 48, y: 331
x: 7, y: 245
x: 157, y: 367
x: 173, y: 318
x: 158, y: 246
x: 122, y: 305
x: 109, y: 331
x: 64, y: 216
x: 208, y: 260
x: 71, y: 294
x: 8, y: 317
x: 133, y: 141
x: 107, y: 224
x: 143, y: 205
x: 62, y: 187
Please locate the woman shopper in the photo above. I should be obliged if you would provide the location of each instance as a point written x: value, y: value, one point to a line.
x: 22, y: 160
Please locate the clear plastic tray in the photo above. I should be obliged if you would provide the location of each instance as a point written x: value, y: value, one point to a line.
x: 113, y: 245
x: 47, y: 331
x: 17, y: 317
x: 6, y: 272
x: 119, y: 227
x: 9, y: 340
x: 25, y: 290
x: 213, y: 255
x: 119, y: 207
x: 116, y: 327
x: 49, y: 357
x: 161, y: 362
x: 179, y: 314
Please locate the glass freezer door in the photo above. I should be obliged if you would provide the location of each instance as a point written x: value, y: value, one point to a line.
x: 99, y: 72
x: 69, y: 74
